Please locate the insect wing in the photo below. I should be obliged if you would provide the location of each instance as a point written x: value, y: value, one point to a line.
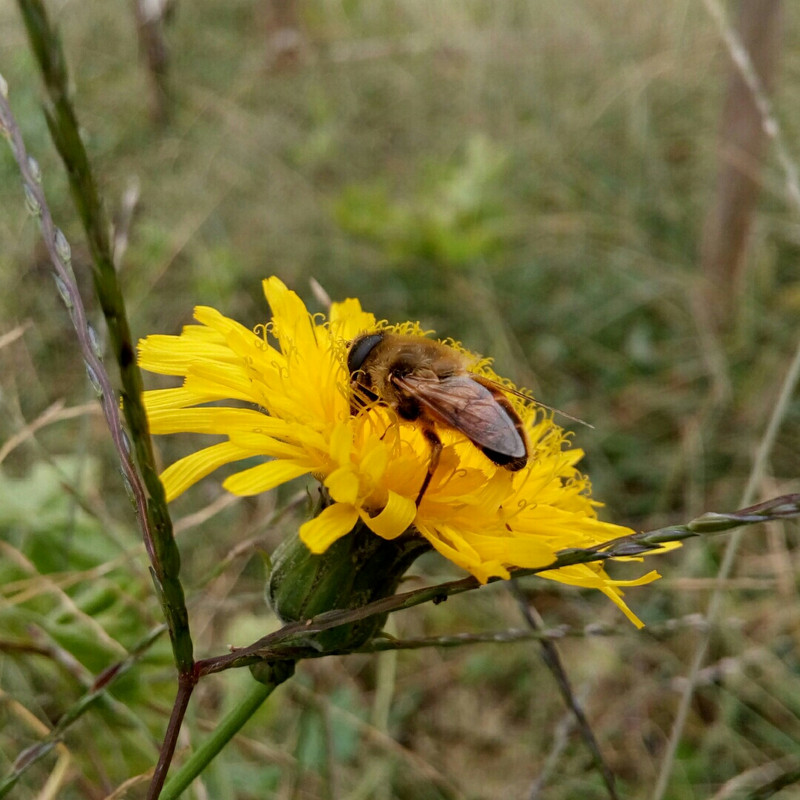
x: 460, y: 402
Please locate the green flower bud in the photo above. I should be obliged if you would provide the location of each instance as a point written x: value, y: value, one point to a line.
x: 357, y: 569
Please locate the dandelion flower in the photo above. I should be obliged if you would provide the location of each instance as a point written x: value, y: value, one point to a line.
x: 282, y: 393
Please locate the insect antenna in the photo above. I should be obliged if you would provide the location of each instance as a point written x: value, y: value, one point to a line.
x: 529, y: 399
x: 564, y: 414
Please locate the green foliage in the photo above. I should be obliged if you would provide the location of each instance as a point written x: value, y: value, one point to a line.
x: 67, y: 582
x: 250, y: 780
x: 455, y: 218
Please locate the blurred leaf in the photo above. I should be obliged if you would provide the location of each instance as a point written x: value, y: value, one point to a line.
x: 455, y: 219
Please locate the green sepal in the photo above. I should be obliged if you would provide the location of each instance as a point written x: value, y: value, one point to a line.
x: 359, y: 568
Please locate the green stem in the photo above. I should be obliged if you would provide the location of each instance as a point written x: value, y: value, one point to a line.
x: 65, y: 132
x: 268, y: 681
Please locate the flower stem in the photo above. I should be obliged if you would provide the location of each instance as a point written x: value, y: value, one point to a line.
x: 268, y: 680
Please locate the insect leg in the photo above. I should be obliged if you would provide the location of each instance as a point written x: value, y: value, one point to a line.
x: 436, y: 450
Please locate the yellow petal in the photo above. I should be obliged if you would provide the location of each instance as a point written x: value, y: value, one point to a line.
x: 214, y: 420
x: 156, y: 399
x: 331, y: 524
x: 263, y: 477
x: 348, y: 319
x: 453, y: 547
x: 290, y: 319
x: 623, y: 606
x: 394, y: 519
x: 222, y: 381
x: 237, y: 338
x: 341, y: 444
x: 373, y: 464
x: 526, y: 552
x: 342, y: 484
x: 170, y: 355
x: 178, y: 477
x: 257, y: 443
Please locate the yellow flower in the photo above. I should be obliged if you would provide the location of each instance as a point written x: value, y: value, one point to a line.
x: 292, y: 375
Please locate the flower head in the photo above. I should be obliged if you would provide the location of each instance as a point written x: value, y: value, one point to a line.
x: 291, y: 374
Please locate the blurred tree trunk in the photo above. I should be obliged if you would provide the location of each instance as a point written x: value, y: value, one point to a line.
x: 728, y: 222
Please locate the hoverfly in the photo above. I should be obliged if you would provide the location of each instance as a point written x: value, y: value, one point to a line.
x: 427, y: 382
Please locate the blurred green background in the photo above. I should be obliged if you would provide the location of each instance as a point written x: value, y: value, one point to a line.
x: 529, y: 178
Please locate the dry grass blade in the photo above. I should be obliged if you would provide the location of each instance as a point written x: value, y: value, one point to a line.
x: 380, y: 739
x: 9, y: 338
x: 552, y: 659
x: 778, y: 414
x: 55, y: 413
x: 52, y: 738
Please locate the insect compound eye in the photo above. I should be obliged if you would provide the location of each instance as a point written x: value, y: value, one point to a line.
x: 360, y: 349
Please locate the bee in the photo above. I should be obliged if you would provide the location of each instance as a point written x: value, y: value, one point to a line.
x: 427, y: 382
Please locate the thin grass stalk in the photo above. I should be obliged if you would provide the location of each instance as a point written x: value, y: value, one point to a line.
x: 289, y: 641
x: 64, y: 130
x: 59, y: 251
x: 155, y: 54
x: 789, y: 777
x: 553, y: 662
x: 269, y: 680
x: 32, y: 755
x: 772, y: 129
x: 186, y: 686
x: 282, y: 645
x: 659, y: 631
x: 715, y: 603
x: 562, y: 732
x: 381, y: 645
x: 279, y: 651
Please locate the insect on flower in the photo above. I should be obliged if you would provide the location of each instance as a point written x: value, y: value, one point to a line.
x: 427, y: 382
x: 312, y: 427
